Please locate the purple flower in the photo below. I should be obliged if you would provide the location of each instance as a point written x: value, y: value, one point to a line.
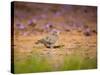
x: 32, y: 21
x: 48, y: 25
x: 44, y: 16
x: 87, y: 30
x: 57, y: 14
x: 25, y: 33
x: 21, y: 26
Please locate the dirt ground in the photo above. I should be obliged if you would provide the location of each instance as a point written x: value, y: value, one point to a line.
x: 72, y: 43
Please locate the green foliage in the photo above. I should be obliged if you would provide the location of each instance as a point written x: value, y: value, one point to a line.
x: 89, y: 64
x: 37, y: 63
x: 78, y: 63
x: 32, y: 64
x: 71, y: 63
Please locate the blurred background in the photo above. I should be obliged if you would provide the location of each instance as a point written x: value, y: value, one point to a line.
x: 33, y: 18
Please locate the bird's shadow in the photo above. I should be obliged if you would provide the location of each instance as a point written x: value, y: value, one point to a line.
x: 58, y: 46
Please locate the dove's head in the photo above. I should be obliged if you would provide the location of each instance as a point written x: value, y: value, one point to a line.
x: 55, y: 32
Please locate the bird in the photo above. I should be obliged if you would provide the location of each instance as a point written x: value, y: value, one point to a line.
x: 50, y: 40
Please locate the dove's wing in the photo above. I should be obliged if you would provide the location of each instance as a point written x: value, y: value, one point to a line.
x: 51, y: 39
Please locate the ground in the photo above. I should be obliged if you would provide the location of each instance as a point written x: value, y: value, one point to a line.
x: 77, y: 52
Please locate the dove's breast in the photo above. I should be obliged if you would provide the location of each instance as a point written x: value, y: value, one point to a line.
x: 52, y: 39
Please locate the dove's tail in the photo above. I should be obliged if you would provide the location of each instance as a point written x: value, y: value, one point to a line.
x: 39, y: 41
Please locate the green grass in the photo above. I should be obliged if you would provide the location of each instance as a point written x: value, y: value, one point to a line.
x: 71, y: 63
x: 37, y: 63
x: 89, y: 64
x: 78, y: 63
x: 34, y: 64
